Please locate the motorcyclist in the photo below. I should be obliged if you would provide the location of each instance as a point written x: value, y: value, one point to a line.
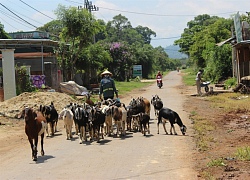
x: 159, y: 75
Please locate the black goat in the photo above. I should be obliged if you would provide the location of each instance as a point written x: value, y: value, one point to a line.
x: 51, y: 115
x: 173, y: 118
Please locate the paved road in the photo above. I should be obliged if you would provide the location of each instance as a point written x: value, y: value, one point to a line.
x: 156, y: 156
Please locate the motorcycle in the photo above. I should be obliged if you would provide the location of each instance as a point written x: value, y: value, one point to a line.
x: 205, y: 85
x: 159, y: 82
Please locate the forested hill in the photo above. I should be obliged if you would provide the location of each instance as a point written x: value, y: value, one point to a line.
x: 173, y: 52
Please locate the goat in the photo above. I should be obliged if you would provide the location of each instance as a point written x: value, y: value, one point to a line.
x: 144, y: 123
x: 51, y: 115
x: 68, y: 119
x: 82, y: 120
x: 157, y: 104
x: 35, y: 125
x: 173, y: 118
x: 108, y: 128
x: 98, y: 120
x: 117, y: 114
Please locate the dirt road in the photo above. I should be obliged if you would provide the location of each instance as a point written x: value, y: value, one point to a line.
x: 156, y: 156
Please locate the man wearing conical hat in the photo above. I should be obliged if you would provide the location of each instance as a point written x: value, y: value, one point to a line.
x: 107, y: 86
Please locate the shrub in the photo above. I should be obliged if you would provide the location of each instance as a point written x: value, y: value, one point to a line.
x: 231, y: 82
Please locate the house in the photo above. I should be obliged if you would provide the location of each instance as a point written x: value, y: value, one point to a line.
x: 240, y: 50
x: 36, y: 54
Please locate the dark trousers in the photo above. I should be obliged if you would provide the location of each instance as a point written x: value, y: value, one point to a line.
x: 111, y: 97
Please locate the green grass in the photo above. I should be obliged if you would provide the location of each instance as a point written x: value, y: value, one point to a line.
x: 189, y: 77
x: 125, y: 87
x: 243, y: 153
x: 216, y: 163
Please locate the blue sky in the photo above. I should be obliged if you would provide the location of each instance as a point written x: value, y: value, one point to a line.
x: 167, y: 18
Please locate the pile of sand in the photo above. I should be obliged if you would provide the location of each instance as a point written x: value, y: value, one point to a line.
x: 13, y: 106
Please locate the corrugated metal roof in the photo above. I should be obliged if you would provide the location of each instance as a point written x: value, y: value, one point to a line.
x: 226, y: 41
x: 16, y: 43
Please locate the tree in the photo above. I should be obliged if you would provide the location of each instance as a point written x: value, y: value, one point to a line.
x: 193, y: 27
x: 96, y: 57
x: 146, y: 33
x: 122, y: 60
x: 3, y: 34
x: 208, y: 37
x: 79, y: 28
x: 53, y: 27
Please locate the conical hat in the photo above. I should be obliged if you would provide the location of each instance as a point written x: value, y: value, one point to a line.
x: 106, y: 72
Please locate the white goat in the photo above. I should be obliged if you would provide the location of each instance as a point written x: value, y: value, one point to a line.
x: 68, y: 118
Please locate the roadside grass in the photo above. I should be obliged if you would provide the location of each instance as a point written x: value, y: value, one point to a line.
x: 226, y: 102
x: 202, y: 127
x: 216, y: 163
x: 231, y: 102
x: 124, y: 88
x: 243, y: 153
x: 189, y: 77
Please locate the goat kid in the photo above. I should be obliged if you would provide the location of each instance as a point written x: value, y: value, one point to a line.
x: 144, y: 123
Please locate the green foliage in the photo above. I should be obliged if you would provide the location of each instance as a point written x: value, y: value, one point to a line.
x: 3, y: 34
x: 243, y: 153
x: 199, y: 42
x: 146, y: 33
x: 79, y: 28
x: 23, y: 82
x: 216, y: 163
x: 54, y: 28
x: 231, y: 82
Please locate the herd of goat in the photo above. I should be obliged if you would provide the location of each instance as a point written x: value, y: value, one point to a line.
x: 94, y: 121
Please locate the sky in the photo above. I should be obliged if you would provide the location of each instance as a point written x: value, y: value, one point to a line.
x: 167, y: 18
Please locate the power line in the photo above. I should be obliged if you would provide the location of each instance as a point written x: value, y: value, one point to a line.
x: 151, y: 14
x: 36, y: 10
x: 8, y: 23
x: 17, y: 15
x: 166, y: 38
x: 13, y: 18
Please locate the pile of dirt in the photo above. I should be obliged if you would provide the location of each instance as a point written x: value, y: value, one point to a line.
x: 12, y: 107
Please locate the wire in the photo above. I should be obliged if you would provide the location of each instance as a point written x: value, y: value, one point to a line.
x: 13, y: 18
x: 17, y: 15
x: 150, y: 14
x: 166, y: 38
x: 36, y: 10
x: 8, y: 23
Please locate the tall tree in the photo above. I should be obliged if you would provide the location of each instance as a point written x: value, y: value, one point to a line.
x: 146, y: 33
x: 193, y: 27
x: 79, y: 28
x: 54, y: 28
x: 116, y: 28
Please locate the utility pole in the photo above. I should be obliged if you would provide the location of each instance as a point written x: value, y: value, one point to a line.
x: 89, y: 6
